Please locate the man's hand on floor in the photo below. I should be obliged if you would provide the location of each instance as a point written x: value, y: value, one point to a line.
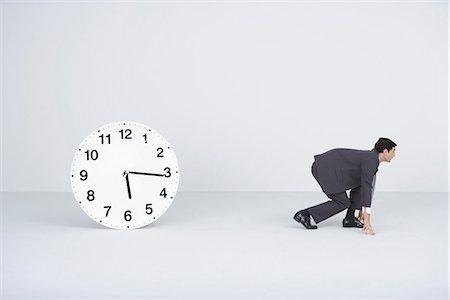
x: 367, y: 229
x: 360, y: 216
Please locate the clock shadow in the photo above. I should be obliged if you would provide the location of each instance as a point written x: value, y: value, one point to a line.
x: 61, y: 211
x: 84, y: 222
x: 75, y: 221
x: 65, y: 217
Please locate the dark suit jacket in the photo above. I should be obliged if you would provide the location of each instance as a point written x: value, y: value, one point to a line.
x: 338, y: 170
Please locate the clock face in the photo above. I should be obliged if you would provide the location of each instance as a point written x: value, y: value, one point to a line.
x: 124, y: 175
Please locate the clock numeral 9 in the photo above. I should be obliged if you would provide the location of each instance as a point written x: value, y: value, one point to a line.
x: 105, y: 137
x: 91, y: 154
x: 163, y: 193
x: 148, y: 209
x: 125, y: 134
x: 127, y: 216
x: 84, y: 175
x: 90, y: 195
x: 107, y: 211
x: 167, y: 169
x: 160, y: 151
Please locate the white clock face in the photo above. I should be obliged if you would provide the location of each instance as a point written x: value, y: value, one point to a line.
x: 124, y: 175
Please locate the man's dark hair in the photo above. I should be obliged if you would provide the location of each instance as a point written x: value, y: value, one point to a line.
x: 384, y: 143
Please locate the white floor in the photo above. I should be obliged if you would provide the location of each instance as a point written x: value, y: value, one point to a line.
x: 225, y: 245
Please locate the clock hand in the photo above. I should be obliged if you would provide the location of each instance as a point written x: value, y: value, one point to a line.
x: 141, y: 173
x: 128, y: 184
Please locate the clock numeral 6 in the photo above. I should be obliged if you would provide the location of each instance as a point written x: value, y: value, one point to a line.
x: 167, y: 169
x: 125, y: 134
x: 160, y: 151
x: 127, y: 216
x: 90, y: 195
x: 91, y: 154
x: 84, y: 175
x: 163, y: 193
x: 148, y: 209
x: 107, y: 211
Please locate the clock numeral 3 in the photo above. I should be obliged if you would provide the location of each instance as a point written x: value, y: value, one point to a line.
x: 125, y: 134
x: 127, y: 216
x: 148, y: 209
x: 163, y: 193
x: 84, y: 175
x: 91, y: 154
x: 167, y: 169
x: 90, y: 195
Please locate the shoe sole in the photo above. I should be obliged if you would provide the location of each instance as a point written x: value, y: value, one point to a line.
x: 356, y: 226
x: 298, y: 221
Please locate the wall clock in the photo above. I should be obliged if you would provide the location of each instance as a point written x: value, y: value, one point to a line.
x: 124, y: 175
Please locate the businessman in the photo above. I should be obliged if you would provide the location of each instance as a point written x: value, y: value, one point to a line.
x: 339, y: 170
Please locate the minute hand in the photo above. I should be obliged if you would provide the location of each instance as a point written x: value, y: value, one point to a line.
x: 142, y: 173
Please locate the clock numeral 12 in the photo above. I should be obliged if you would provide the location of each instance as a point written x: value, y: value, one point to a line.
x: 125, y: 135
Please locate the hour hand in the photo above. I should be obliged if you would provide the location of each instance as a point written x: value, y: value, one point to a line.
x: 128, y: 183
x: 142, y: 173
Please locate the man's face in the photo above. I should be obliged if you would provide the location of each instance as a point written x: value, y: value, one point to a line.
x: 389, y: 155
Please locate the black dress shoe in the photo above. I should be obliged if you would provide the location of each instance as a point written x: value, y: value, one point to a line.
x: 303, y: 217
x: 352, y: 223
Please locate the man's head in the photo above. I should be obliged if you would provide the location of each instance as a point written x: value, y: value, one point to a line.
x: 386, y: 149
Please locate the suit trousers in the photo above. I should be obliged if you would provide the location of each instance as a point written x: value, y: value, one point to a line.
x: 338, y: 203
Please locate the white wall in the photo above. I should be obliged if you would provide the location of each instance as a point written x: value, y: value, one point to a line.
x: 245, y: 92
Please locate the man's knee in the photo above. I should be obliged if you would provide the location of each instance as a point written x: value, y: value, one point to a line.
x: 341, y: 199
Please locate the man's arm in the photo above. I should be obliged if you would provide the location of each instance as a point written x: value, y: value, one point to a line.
x: 368, y: 180
x: 368, y: 174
